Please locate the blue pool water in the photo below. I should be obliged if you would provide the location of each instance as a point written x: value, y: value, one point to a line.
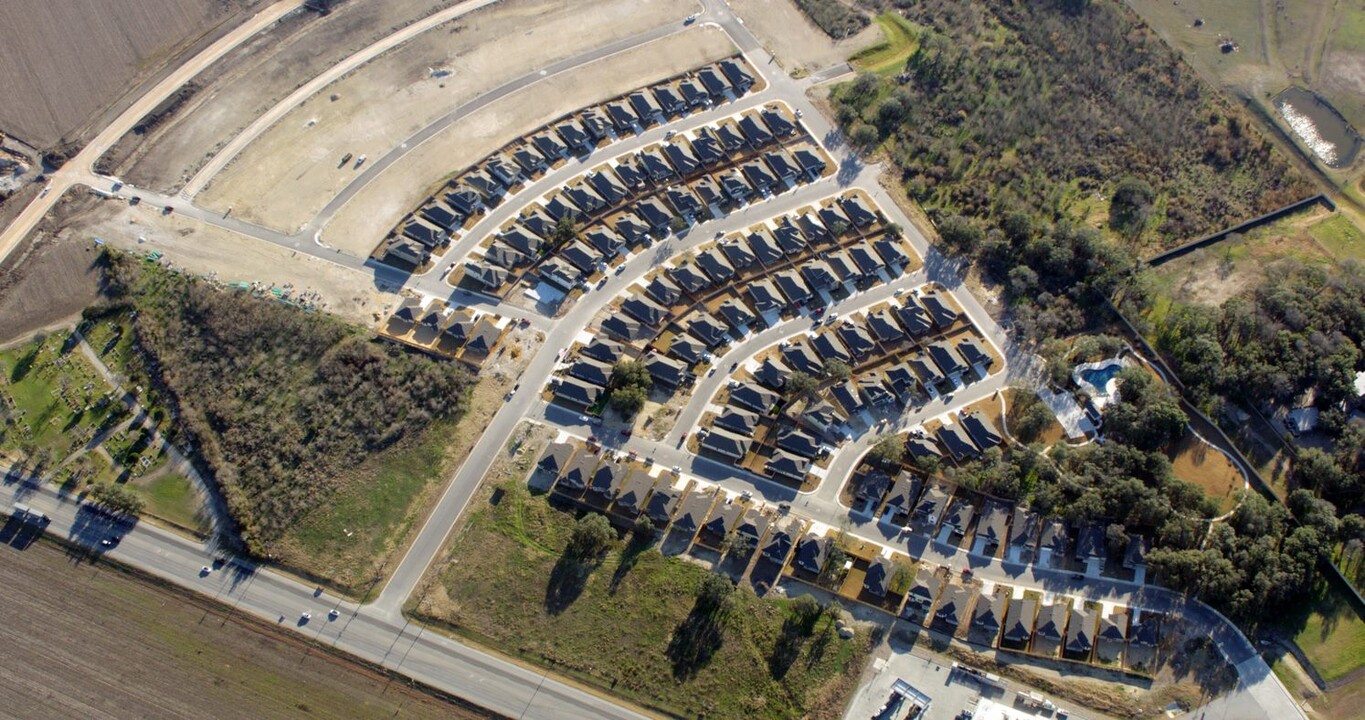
x: 1100, y: 377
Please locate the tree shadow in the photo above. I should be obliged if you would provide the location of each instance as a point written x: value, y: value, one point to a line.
x: 630, y: 555
x: 790, y: 639
x: 695, y: 641
x: 25, y: 364
x: 567, y: 580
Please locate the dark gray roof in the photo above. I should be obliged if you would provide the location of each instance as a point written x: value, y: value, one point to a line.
x: 946, y: 358
x: 602, y: 350
x: 737, y: 421
x: 735, y: 313
x: 725, y: 443
x: 957, y: 442
x: 663, y: 291
x: 644, y: 310
x: 714, y: 264
x: 981, y: 430
x: 764, y: 296
x: 753, y: 397
x: 940, y: 309
x: 578, y: 392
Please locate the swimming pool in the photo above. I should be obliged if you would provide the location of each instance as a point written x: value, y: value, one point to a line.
x: 1099, y: 377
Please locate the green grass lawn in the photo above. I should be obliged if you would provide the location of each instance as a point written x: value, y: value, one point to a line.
x: 172, y: 497
x: 505, y: 584
x: 1330, y: 632
x: 54, y: 400
x: 372, y: 509
x: 888, y: 56
x: 1340, y: 236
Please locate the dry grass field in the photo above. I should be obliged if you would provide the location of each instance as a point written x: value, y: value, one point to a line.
x: 789, y: 35
x: 229, y: 257
x: 253, y: 78
x: 86, y: 641
x: 363, y: 221
x: 62, y: 62
x: 286, y: 176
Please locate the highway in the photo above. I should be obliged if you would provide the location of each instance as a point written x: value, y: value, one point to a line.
x: 377, y: 631
x: 364, y: 631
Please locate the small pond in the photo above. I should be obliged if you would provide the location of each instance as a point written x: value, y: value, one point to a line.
x: 1319, y: 126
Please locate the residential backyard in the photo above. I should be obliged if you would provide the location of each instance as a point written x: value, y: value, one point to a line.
x: 622, y: 627
x: 1330, y: 632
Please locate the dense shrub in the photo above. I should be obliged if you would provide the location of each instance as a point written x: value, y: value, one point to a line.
x: 277, y: 402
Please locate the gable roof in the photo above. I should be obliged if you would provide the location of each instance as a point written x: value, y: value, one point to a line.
x: 784, y: 464
x: 1019, y: 620
x: 643, y: 309
x: 725, y: 443
x: 713, y: 263
x: 665, y: 371
x: 603, y: 350
x: 765, y: 296
x: 662, y: 503
x: 939, y: 308
x: 555, y: 458
x: 946, y: 358
x: 634, y: 491
x: 801, y: 358
x: 982, y: 432
x: 914, y: 318
x: 591, y: 371
x: 625, y: 328
x: 690, y: 278
x: 878, y: 576
x: 994, y: 516
x: 578, y: 392
x: 735, y: 313
x: 740, y: 422
x: 811, y: 553
x: 753, y: 397
x: 578, y: 473
x: 693, y: 511
x: 957, y: 442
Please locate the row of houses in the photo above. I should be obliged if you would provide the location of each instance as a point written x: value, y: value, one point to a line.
x: 751, y: 431
x: 995, y: 526
x: 429, y: 229
x: 458, y: 333
x: 1066, y: 628
x: 696, y: 307
x: 634, y: 199
x: 583, y: 382
x: 626, y: 491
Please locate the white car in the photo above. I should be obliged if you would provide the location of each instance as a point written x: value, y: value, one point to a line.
x: 305, y: 616
x: 333, y: 614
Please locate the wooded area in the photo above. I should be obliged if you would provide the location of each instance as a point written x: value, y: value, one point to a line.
x: 1013, y: 122
x: 277, y: 402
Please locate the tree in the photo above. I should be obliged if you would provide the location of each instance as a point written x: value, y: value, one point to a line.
x: 628, y: 400
x: 1130, y: 205
x: 837, y: 369
x: 960, y: 234
x: 628, y: 373
x: 712, y: 592
x: 591, y: 537
x: 566, y: 229
x: 117, y: 499
x: 801, y: 385
x: 889, y: 450
x: 864, y: 137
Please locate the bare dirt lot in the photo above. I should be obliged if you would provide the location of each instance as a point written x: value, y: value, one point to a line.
x: 367, y: 217
x: 285, y: 177
x: 229, y: 257
x: 62, y: 62
x: 52, y: 279
x: 790, y: 36
x: 91, y: 642
x: 251, y: 79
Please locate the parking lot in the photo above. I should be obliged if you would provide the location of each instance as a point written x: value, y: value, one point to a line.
x: 949, y: 691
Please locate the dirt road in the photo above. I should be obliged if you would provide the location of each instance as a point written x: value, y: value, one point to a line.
x: 78, y: 169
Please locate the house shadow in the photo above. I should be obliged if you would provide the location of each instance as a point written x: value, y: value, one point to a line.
x: 388, y: 278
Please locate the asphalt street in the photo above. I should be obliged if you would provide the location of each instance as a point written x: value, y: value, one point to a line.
x: 362, y: 630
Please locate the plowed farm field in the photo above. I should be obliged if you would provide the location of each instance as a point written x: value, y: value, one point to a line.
x: 89, y: 641
x: 63, y: 62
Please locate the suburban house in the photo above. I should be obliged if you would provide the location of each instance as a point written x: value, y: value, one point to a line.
x: 856, y: 338
x: 878, y: 576
x: 726, y: 444
x: 577, y: 392
x: 739, y: 78
x: 634, y: 493
x: 778, y: 546
x: 736, y: 314
x: 1109, y: 640
x: 959, y: 516
x: 1090, y: 544
x: 695, y: 507
x: 858, y: 213
x: 900, y: 499
x: 622, y: 115
x: 811, y: 553
x: 792, y: 287
x: 719, y: 525
x: 591, y: 371
x: 406, y: 254
x: 947, y: 359
x: 667, y: 372
x: 922, y: 447
x: 988, y: 617
x: 1135, y: 556
x: 606, y: 480
x: 661, y: 505
x: 931, y: 506
x: 644, y: 310
x: 714, y: 264
x: 529, y: 159
x: 956, y: 441
x: 1050, y: 630
x: 914, y: 318
x: 577, y: 475
x: 560, y: 274
x: 752, y: 526
x: 801, y: 358
x: 755, y: 132
x: 982, y: 432
x: 786, y: 466
x: 952, y: 607
x: 939, y: 307
x: 991, y: 529
x: 686, y: 349
x: 555, y: 459
x: 797, y: 442
x: 765, y: 296
x: 663, y: 291
x: 827, y: 345
x: 883, y: 325
x: 550, y: 146
x: 923, y: 593
x: 714, y: 81
x: 442, y: 217
x: 1019, y: 623
x: 491, y: 277
x: 1024, y: 529
x: 975, y: 355
x: 753, y: 397
x: 1080, y: 633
